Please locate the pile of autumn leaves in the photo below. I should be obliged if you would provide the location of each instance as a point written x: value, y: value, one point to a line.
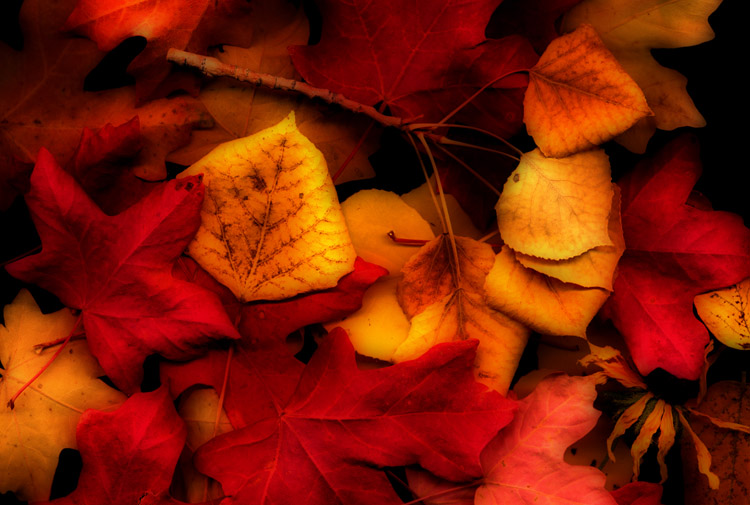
x: 270, y: 250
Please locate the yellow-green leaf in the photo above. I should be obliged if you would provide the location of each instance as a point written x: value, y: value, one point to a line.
x: 45, y: 416
x: 272, y: 225
x: 557, y: 208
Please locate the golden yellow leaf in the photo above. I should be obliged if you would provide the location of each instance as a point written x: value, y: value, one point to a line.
x: 542, y: 303
x: 241, y: 109
x: 371, y: 214
x: 627, y: 419
x: 726, y: 314
x: 379, y: 326
x: 444, y: 298
x: 45, y: 416
x: 579, y: 96
x: 631, y: 29
x: 594, y: 268
x: 702, y: 453
x: 198, y: 409
x: 557, y: 208
x: 272, y: 226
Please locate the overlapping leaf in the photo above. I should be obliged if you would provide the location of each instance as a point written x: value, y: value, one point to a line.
x: 116, y: 270
x: 725, y: 313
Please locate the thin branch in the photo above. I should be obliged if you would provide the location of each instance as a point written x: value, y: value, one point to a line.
x: 451, y: 142
x: 470, y: 170
x: 430, y: 126
x: 216, y: 68
x: 427, y: 180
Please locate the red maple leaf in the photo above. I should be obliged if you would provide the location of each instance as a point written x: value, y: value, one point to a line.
x: 674, y: 252
x: 421, y: 59
x: 323, y: 440
x: 192, y: 25
x: 116, y: 270
x: 129, y: 452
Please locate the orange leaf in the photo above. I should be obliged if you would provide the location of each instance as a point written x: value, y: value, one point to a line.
x: 579, y: 96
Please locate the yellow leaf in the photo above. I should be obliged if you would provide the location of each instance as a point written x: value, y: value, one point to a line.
x: 371, y: 214
x: 631, y: 29
x: 725, y: 312
x: 613, y: 365
x: 542, y: 303
x: 648, y: 430
x: 667, y: 436
x: 379, y: 326
x: 626, y: 420
x: 445, y: 300
x: 702, y: 453
x: 272, y: 225
x: 594, y: 268
x: 45, y: 416
x: 198, y: 409
x: 579, y: 96
x: 557, y: 208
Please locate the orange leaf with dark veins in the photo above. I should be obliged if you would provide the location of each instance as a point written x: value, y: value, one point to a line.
x: 116, y: 270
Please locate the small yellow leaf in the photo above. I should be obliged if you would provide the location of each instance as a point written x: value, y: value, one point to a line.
x: 45, y: 416
x: 444, y: 298
x: 667, y: 436
x: 613, y: 365
x: 371, y: 214
x: 542, y: 303
x: 594, y: 268
x: 702, y: 453
x: 557, y: 208
x: 726, y: 314
x: 272, y: 225
x: 379, y: 326
x: 626, y: 420
x: 579, y: 96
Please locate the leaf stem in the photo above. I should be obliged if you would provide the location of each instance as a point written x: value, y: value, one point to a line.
x: 414, y: 242
x: 216, y: 68
x: 12, y: 401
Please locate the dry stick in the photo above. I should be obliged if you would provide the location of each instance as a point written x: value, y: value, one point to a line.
x: 216, y: 68
x: 417, y: 126
x: 427, y: 180
x: 12, y: 401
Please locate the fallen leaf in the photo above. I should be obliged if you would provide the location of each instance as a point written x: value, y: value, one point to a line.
x: 192, y: 27
x: 725, y: 314
x: 579, y: 96
x: 45, y: 415
x: 313, y: 442
x: 726, y: 400
x: 674, y: 252
x: 631, y: 30
x: 524, y: 462
x: 272, y: 225
x: 442, y: 293
x: 407, y: 57
x: 129, y: 452
x: 594, y: 268
x: 557, y: 208
x: 542, y: 303
x: 116, y: 270
x: 370, y: 215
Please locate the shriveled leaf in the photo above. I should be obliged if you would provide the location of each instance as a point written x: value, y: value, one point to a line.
x: 594, y: 268
x: 542, y: 303
x: 342, y: 422
x: 116, y: 270
x: 675, y: 251
x: 579, y: 96
x: 524, y: 462
x: 725, y: 312
x: 631, y: 30
x: 371, y: 214
x: 726, y: 400
x: 443, y: 295
x: 129, y: 452
x: 557, y: 208
x: 272, y: 225
x: 44, y: 419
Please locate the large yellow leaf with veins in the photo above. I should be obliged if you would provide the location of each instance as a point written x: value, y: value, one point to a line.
x: 443, y: 295
x: 630, y: 29
x: 594, y: 268
x: 557, y: 208
x: 272, y: 225
x: 45, y: 416
x: 579, y: 96
x: 726, y: 313
x: 544, y: 304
